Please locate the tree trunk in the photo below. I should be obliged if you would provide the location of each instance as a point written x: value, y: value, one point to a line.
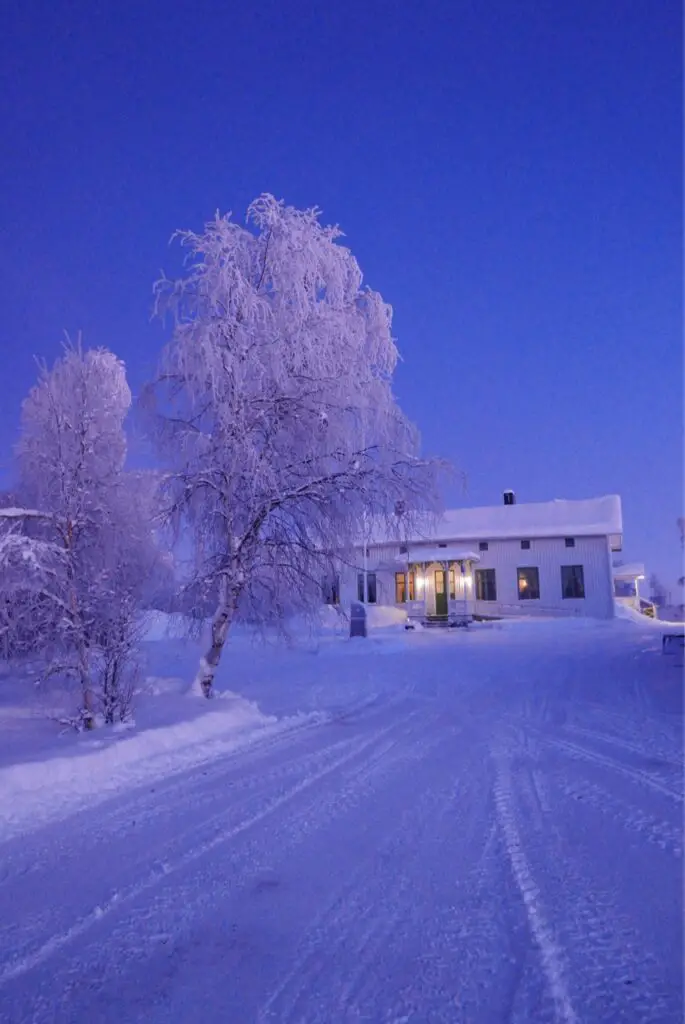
x: 221, y: 623
x: 86, y: 691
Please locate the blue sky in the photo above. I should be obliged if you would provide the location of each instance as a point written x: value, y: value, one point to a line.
x: 508, y: 175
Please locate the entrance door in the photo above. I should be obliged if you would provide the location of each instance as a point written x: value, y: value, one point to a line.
x: 440, y: 593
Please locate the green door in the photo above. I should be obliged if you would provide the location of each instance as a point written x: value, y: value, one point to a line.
x: 440, y: 593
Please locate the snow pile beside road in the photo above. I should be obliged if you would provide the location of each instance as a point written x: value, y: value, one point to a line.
x: 631, y: 615
x: 171, y: 734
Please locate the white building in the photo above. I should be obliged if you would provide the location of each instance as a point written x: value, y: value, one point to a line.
x: 627, y: 584
x: 547, y: 558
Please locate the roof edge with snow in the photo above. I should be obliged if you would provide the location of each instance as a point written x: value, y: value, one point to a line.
x: 591, y: 517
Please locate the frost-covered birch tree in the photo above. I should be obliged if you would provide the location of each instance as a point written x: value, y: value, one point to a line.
x: 77, y: 551
x: 276, y: 418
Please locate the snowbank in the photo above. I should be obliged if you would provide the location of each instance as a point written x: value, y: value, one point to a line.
x: 631, y: 615
x: 173, y: 732
x: 384, y: 616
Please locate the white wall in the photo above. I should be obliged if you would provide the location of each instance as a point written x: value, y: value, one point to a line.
x: 548, y: 555
x: 505, y: 557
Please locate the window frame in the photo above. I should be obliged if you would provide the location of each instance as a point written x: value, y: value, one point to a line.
x: 411, y: 585
x: 452, y: 583
x: 577, y: 577
x: 331, y: 591
x: 483, y: 545
x: 525, y: 545
x: 400, y: 588
x: 569, y: 542
x: 527, y: 593
x: 483, y: 579
x: 371, y: 585
x: 360, y: 587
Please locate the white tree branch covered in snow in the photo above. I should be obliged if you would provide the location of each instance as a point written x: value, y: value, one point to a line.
x: 276, y: 418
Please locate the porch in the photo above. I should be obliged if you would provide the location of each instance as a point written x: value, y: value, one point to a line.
x: 627, y: 584
x: 435, y: 586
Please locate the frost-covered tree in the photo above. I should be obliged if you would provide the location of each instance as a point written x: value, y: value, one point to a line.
x: 81, y: 570
x: 276, y: 416
x: 30, y: 570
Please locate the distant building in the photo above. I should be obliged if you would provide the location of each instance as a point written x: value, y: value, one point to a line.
x: 546, y: 558
x: 627, y: 584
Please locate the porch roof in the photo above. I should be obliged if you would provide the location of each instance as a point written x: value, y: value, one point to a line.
x: 448, y: 554
x: 633, y: 570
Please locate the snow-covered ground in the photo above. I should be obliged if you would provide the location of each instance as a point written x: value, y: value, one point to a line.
x: 429, y: 826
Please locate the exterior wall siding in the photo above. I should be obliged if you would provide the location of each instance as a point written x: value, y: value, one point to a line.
x: 548, y: 555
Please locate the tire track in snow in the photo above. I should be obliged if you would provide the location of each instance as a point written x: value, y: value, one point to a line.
x: 392, y: 895
x: 662, y: 731
x: 121, y: 805
x: 654, y: 831
x: 55, y: 943
x: 148, y: 844
x: 611, y: 740
x: 362, y: 912
x: 154, y: 804
x: 637, y: 774
x: 148, y: 927
x: 21, y: 933
x: 551, y: 956
x: 613, y: 974
x: 359, y: 781
x: 611, y: 970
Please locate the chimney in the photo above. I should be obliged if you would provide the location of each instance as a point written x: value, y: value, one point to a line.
x: 509, y: 498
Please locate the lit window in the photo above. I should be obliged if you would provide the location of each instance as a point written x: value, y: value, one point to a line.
x: 412, y: 585
x: 528, y: 583
x: 400, y: 588
x: 453, y: 584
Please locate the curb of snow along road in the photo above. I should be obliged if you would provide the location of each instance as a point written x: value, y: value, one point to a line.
x: 35, y: 793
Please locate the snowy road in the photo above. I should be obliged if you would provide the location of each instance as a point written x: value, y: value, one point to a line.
x: 495, y: 837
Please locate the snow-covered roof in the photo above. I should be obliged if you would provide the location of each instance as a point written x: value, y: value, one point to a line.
x: 631, y: 570
x: 419, y: 553
x: 592, y: 517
